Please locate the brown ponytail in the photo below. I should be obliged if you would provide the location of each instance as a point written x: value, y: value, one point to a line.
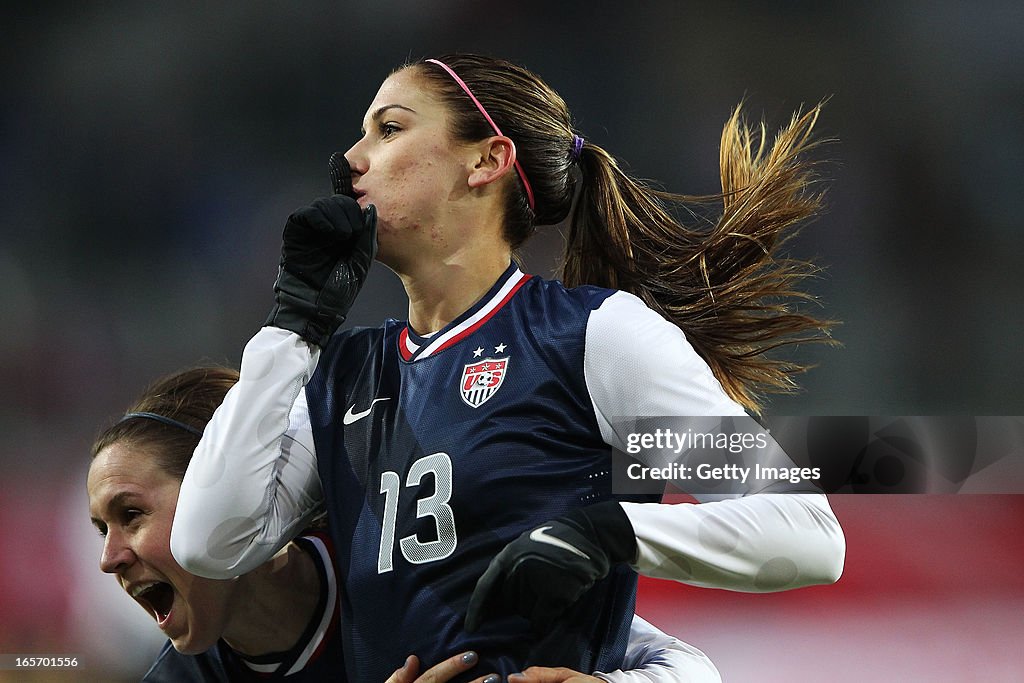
x: 726, y: 287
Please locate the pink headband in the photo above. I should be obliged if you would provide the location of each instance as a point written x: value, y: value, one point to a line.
x: 462, y: 84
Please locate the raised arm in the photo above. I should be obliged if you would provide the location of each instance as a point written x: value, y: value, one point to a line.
x: 252, y: 483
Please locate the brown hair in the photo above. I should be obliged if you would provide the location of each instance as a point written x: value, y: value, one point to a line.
x: 188, y: 397
x: 724, y: 284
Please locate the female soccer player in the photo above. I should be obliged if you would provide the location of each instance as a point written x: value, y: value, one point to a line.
x: 476, y: 435
x: 279, y: 621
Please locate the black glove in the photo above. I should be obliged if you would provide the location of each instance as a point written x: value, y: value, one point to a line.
x: 327, y: 251
x: 544, y: 572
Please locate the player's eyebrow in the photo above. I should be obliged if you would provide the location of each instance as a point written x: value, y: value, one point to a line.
x: 120, y: 500
x: 380, y: 111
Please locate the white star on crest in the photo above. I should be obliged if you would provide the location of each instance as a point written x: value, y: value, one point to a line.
x: 500, y: 348
x: 479, y: 350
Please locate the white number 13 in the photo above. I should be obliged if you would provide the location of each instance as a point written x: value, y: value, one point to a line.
x: 436, y: 506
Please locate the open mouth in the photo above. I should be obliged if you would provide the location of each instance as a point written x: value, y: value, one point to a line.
x: 158, y: 598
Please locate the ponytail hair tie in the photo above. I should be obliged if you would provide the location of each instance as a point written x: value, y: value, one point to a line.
x: 577, y: 147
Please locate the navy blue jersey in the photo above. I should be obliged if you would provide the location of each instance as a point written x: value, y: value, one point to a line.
x: 436, y: 452
x: 316, y: 658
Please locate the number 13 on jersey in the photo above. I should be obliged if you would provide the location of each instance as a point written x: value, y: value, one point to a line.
x: 435, y: 506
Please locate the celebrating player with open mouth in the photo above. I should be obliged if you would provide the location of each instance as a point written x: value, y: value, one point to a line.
x: 474, y: 439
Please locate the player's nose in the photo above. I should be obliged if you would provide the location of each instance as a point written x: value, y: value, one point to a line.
x: 117, y: 554
x: 357, y: 159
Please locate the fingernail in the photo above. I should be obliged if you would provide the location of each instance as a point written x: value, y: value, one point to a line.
x: 493, y: 678
x: 516, y: 677
x: 469, y: 658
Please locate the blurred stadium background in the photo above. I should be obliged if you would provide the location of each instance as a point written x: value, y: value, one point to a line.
x: 150, y: 152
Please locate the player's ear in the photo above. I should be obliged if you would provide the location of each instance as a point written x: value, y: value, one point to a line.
x: 492, y: 159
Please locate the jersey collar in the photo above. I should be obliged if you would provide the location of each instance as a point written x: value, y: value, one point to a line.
x: 412, y: 346
x: 320, y: 628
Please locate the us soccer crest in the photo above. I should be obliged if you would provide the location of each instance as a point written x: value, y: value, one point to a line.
x: 482, y: 379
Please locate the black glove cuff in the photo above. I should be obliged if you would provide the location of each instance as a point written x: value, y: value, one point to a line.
x: 315, y: 327
x: 609, y: 526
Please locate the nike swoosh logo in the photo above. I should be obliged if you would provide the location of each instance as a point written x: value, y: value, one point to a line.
x: 541, y: 537
x: 351, y: 416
